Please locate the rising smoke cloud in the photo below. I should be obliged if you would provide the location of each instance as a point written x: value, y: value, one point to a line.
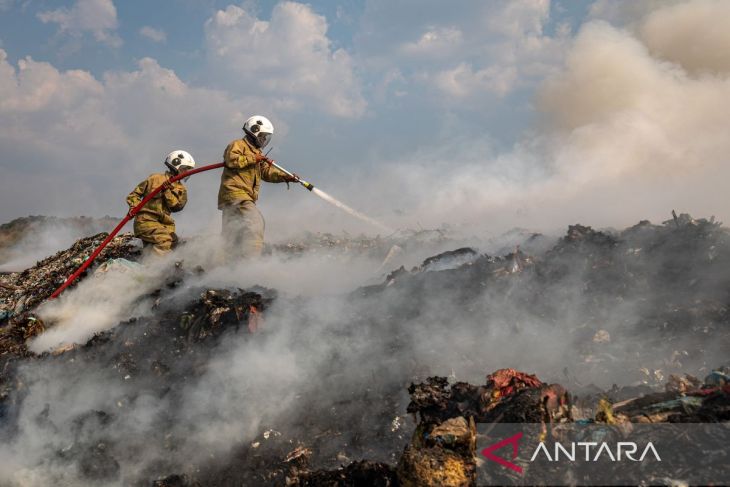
x: 627, y: 133
x: 317, y: 353
x: 635, y: 122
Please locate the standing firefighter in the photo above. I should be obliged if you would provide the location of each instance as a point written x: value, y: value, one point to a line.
x: 153, y: 224
x: 245, y: 168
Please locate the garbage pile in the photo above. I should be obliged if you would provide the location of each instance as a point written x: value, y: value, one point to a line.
x: 21, y: 292
x: 443, y: 449
x: 628, y: 326
x: 652, y: 298
x: 26, y: 289
x: 387, y: 249
x: 24, y: 237
x: 149, y: 357
x: 157, y: 357
x: 327, y: 242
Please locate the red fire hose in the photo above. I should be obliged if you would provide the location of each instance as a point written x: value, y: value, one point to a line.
x: 124, y: 221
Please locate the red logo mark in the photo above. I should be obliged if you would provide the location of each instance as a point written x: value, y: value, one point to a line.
x: 514, y: 441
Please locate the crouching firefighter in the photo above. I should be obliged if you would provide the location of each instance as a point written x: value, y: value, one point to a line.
x: 245, y: 168
x: 153, y: 224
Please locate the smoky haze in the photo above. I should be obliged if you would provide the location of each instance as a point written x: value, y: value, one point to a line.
x: 634, y: 120
x: 330, y: 348
x: 633, y: 125
x: 622, y: 130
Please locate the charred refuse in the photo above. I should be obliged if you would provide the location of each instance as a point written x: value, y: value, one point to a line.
x: 382, y: 385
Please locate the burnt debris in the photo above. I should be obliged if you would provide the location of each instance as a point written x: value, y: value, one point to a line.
x: 650, y: 301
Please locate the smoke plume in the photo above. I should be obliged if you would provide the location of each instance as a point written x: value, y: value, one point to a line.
x: 634, y: 124
x: 636, y: 120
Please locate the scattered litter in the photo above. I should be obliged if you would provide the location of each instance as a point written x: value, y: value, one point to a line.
x: 161, y: 353
x: 682, y: 384
x: 23, y: 291
x: 270, y: 433
x: 505, y: 382
x: 119, y: 265
x: 718, y: 378
x: 449, y: 260
x: 298, y: 452
x: 601, y: 336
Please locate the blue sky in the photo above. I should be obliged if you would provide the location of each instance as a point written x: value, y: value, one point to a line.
x: 393, y: 106
x: 182, y: 21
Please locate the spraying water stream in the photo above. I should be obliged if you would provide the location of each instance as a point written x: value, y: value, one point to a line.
x: 329, y: 199
x: 333, y: 201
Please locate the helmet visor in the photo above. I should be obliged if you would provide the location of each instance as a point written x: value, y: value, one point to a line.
x: 263, y: 139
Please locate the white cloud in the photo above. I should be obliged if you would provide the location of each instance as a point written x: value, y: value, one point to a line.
x: 68, y: 129
x: 436, y: 41
x: 155, y: 35
x: 97, y: 17
x: 39, y: 87
x: 470, y: 52
x: 288, y: 58
x: 463, y: 81
x: 517, y: 19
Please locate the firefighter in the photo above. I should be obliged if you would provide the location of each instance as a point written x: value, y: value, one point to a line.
x: 245, y: 167
x: 153, y: 224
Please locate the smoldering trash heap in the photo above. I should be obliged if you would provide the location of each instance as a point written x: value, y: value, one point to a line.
x: 201, y: 384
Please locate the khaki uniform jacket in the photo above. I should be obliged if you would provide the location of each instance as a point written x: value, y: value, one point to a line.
x: 158, y: 209
x: 242, y: 175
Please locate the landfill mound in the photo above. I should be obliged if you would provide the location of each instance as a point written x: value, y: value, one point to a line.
x: 319, y: 242
x: 28, y: 237
x: 21, y: 292
x: 645, y: 309
x: 403, y: 246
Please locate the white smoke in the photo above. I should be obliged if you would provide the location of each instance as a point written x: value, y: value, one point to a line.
x: 316, y: 351
x: 634, y: 124
x: 633, y: 127
x: 97, y: 304
x: 691, y: 35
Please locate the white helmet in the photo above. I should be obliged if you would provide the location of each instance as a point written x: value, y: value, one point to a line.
x: 179, y: 159
x: 260, y: 129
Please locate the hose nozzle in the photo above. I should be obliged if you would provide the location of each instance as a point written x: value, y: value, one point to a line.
x: 307, y: 185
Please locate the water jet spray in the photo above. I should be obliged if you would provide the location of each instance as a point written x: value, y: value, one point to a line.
x: 330, y: 199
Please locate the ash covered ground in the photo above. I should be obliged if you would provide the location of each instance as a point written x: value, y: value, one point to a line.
x: 329, y: 360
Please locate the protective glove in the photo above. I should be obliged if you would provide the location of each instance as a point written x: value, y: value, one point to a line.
x: 294, y: 178
x: 262, y: 158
